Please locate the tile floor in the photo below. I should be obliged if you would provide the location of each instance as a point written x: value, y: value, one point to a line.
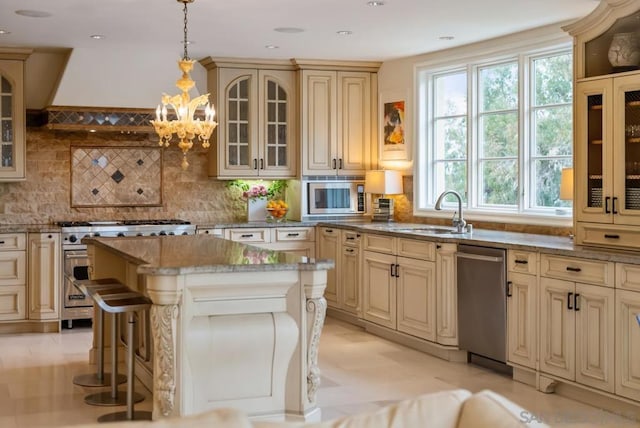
x: 361, y: 372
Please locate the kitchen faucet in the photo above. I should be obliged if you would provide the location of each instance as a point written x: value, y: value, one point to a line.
x: 459, y: 224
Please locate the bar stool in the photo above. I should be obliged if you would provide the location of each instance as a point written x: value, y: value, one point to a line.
x: 100, y: 296
x: 128, y: 303
x: 99, y: 378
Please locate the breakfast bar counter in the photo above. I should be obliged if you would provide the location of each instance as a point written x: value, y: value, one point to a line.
x: 231, y: 325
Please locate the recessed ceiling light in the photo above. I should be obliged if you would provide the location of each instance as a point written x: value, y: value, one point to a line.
x: 344, y: 32
x: 33, y: 13
x: 375, y: 3
x: 446, y: 37
x: 97, y: 36
x: 5, y: 32
x: 271, y: 47
x: 289, y: 30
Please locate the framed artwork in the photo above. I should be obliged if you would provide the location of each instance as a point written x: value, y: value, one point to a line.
x: 393, y: 138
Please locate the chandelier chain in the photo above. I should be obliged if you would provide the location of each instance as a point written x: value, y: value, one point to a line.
x: 186, y: 41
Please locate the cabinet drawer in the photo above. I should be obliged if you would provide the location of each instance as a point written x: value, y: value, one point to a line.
x: 380, y: 243
x: 628, y: 276
x: 351, y: 239
x: 12, y: 302
x: 280, y: 234
x: 608, y: 236
x: 12, y: 241
x: 577, y: 270
x: 219, y: 233
x: 423, y: 250
x: 13, y: 268
x: 522, y: 261
x: 248, y: 235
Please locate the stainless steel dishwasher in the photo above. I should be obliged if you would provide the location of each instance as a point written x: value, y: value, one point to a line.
x: 482, y: 303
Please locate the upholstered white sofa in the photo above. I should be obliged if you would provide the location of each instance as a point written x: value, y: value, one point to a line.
x: 448, y: 409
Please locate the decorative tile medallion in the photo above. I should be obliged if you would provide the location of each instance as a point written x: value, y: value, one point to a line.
x: 116, y: 176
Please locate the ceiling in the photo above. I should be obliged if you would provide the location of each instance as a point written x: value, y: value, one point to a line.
x: 242, y: 28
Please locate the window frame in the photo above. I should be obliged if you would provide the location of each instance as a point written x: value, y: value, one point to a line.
x: 524, y: 212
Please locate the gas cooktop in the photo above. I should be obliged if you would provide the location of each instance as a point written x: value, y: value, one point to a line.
x: 121, y: 223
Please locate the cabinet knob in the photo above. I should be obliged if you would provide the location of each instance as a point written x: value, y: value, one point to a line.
x: 49, y: 236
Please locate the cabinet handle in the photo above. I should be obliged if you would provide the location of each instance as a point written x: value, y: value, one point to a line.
x: 340, y: 163
x: 333, y: 164
x: 255, y: 164
x: 293, y: 234
x: 613, y: 205
x: 569, y: 299
x: 606, y: 205
x: 575, y: 301
x: 350, y: 238
x: 509, y: 285
x: 573, y: 269
x: 1, y: 242
x: 349, y: 250
x: 329, y: 230
x: 250, y: 235
x: 392, y: 270
x: 261, y: 163
x: 357, y: 235
x: 609, y: 236
x: 397, y: 271
x: 521, y: 262
x: 438, y: 246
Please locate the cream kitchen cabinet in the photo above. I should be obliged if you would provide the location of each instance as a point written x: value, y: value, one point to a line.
x: 12, y: 114
x: 627, y: 337
x: 13, y: 264
x: 338, y: 110
x: 522, y: 308
x: 446, y: 295
x: 399, y: 288
x: 297, y: 240
x: 577, y: 320
x: 44, y: 276
x: 343, y: 282
x: 256, y: 113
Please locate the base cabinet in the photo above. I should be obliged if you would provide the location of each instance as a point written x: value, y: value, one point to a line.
x: 44, y: 276
x: 328, y: 247
x: 416, y: 297
x: 627, y: 339
x: 446, y: 295
x: 577, y: 332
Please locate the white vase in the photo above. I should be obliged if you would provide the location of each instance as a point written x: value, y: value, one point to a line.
x: 624, y: 50
x: 256, y: 209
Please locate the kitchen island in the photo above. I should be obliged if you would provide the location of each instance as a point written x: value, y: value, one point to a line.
x: 231, y: 325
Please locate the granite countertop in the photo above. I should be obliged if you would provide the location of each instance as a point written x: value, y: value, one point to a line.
x: 32, y: 228
x: 257, y: 224
x: 175, y: 255
x: 558, y: 245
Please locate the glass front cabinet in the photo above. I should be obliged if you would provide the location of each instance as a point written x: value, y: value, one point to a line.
x: 12, y: 118
x: 256, y: 119
x: 607, y: 127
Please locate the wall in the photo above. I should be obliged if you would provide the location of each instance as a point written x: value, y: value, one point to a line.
x: 45, y: 196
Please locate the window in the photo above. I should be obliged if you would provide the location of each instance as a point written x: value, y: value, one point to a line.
x: 499, y: 133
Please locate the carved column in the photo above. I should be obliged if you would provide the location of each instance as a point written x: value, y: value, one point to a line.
x: 314, y: 283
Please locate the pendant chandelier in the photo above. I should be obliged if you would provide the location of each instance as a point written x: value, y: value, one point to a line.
x: 185, y: 125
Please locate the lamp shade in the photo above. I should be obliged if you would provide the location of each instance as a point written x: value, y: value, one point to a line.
x: 383, y: 182
x: 566, y: 184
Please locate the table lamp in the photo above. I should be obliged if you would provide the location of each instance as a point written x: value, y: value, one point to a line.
x: 383, y: 182
x: 566, y: 188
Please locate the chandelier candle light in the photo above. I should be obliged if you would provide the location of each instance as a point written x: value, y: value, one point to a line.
x: 185, y: 126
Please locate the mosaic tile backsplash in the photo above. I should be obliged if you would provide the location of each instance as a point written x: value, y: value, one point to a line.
x: 116, y: 176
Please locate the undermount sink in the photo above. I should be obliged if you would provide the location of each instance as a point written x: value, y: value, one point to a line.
x: 432, y: 230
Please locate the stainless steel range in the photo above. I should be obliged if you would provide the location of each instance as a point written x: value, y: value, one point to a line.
x: 76, y: 262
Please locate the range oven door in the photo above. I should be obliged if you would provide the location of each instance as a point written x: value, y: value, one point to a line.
x: 76, y: 266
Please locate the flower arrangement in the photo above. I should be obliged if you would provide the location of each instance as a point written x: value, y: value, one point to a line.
x: 256, y: 191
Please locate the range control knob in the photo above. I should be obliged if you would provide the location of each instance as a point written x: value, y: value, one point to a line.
x: 152, y: 234
x: 171, y: 233
x: 139, y: 234
x: 163, y: 233
x: 73, y: 238
x: 184, y: 233
x: 96, y: 234
x: 120, y: 233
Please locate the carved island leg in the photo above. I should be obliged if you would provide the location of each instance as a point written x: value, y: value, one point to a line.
x: 163, y: 322
x: 318, y: 308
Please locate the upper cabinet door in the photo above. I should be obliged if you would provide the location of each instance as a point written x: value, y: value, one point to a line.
x: 276, y: 148
x: 12, y: 121
x: 594, y: 151
x: 626, y: 156
x: 354, y: 123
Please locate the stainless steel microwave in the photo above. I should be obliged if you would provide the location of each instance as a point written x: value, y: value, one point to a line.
x: 336, y: 197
